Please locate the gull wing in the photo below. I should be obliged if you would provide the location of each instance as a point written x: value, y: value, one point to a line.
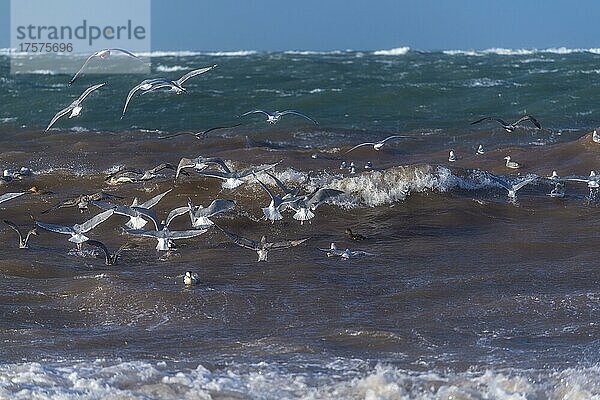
x: 176, y: 213
x: 360, y: 145
x: 287, y: 244
x: 528, y: 118
x: 321, y: 196
x: 118, y: 209
x: 216, y: 174
x: 198, y: 134
x: 154, y: 201
x: 14, y: 227
x: 95, y: 221
x: 256, y: 112
x: 240, y: 241
x: 127, y: 52
x: 524, y: 182
x: 193, y: 73
x: 500, y: 181
x: 186, y: 234
x: 391, y: 137
x: 151, y: 214
x: 271, y: 195
x: 218, y: 206
x: 59, y: 115
x: 10, y: 196
x: 83, y: 66
x: 256, y: 170
x: 65, y: 230
x: 101, y: 246
x: 133, y: 91
x: 139, y: 232
x: 481, y: 120
x: 88, y: 91
x: 281, y: 185
x: 294, y: 112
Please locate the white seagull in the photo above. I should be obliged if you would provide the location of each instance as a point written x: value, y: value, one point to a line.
x: 451, y: 156
x: 191, y: 278
x: 593, y: 181
x: 200, y: 215
x: 263, y: 247
x: 233, y: 179
x: 75, y: 107
x: 103, y: 55
x: 273, y: 118
x: 135, y: 217
x: 305, y: 205
x: 272, y: 212
x: 512, y: 188
x: 22, y: 240
x: 77, y: 231
x: 512, y: 126
x: 595, y: 137
x: 333, y: 251
x: 376, y: 145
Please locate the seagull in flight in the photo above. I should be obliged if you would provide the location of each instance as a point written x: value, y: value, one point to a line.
x: 135, y: 217
x: 200, y: 163
x: 200, y: 135
x: 273, y: 118
x: 200, y: 215
x: 151, y: 85
x: 272, y: 212
x: 510, y: 187
x: 263, y: 247
x: 376, y: 145
x: 305, y: 205
x: 82, y: 201
x: 510, y: 127
x: 135, y: 175
x: 233, y: 179
x: 75, y: 107
x: 77, y: 231
x: 103, y: 55
x: 22, y: 240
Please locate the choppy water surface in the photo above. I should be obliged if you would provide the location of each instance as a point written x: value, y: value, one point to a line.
x: 468, y: 295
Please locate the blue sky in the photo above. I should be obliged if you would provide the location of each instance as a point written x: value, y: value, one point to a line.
x: 361, y: 25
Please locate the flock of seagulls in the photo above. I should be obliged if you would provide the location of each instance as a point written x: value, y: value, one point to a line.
x: 281, y: 197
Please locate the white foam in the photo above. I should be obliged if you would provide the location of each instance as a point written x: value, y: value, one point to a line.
x: 164, y: 68
x: 398, y: 51
x: 239, y: 53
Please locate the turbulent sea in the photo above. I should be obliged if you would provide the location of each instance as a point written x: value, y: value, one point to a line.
x: 468, y: 294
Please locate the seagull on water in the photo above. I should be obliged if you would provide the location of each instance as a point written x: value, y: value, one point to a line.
x: 77, y: 231
x: 451, y: 156
x: 151, y: 85
x: 510, y: 127
x: 595, y: 137
x: 162, y: 234
x: 200, y: 215
x: 103, y: 55
x: 511, y: 164
x: 263, y: 247
x: 510, y: 187
x: 22, y: 240
x: 109, y: 259
x: 376, y: 145
x: 333, y: 251
x: 75, y: 107
x: 480, y: 150
x: 273, y: 118
x: 191, y: 278
x: 136, y: 221
x: 200, y: 135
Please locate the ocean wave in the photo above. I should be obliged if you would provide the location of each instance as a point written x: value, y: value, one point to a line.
x: 336, y: 380
x: 521, y: 52
x: 164, y: 68
x: 238, y: 53
x: 398, y: 51
x: 312, y: 52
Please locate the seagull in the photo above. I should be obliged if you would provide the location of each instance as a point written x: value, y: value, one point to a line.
x: 200, y: 135
x: 354, y: 236
x: 305, y: 205
x: 512, y: 188
x: 135, y: 175
x: 451, y: 156
x: 345, y: 254
x: 75, y: 107
x: 480, y: 150
x: 176, y: 86
x: 135, y: 217
x: 273, y: 118
x: 191, y: 278
x: 510, y: 127
x: 103, y: 55
x: 109, y: 259
x: 22, y: 241
x: 288, y: 192
x: 200, y: 216
x: 263, y: 247
x: 9, y: 196
x: 200, y: 163
x: 82, y: 201
x: 511, y: 164
x: 376, y: 145
x: 595, y: 137
x: 369, y: 165
x: 162, y: 234
x: 593, y: 181
x: 77, y: 231
x: 272, y: 212
x: 233, y: 179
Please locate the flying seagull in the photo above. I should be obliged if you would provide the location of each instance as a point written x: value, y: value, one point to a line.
x: 135, y: 217
x: 82, y: 201
x: 200, y: 163
x: 233, y: 179
x: 109, y: 259
x: 135, y: 175
x: 510, y: 127
x: 22, y: 240
x: 272, y: 212
x: 200, y: 135
x: 376, y: 145
x: 510, y: 187
x: 103, y: 55
x: 263, y: 247
x: 75, y: 107
x: 77, y: 231
x: 200, y: 216
x: 305, y: 205
x: 150, y: 85
x: 273, y: 118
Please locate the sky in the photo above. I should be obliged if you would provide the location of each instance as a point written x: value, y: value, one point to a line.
x: 271, y: 25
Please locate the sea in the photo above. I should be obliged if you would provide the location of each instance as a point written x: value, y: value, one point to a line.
x: 456, y: 291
